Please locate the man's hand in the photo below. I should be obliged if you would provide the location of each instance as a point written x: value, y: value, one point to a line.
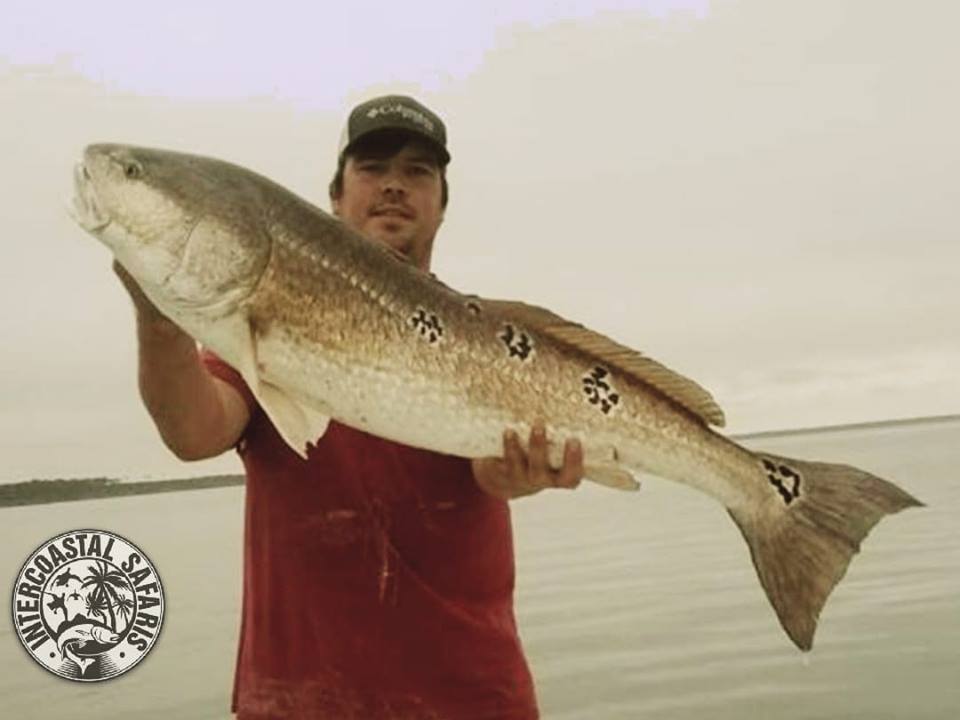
x: 518, y: 474
x: 147, y: 312
x: 198, y: 415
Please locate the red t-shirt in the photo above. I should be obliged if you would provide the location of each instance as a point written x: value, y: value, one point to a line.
x: 378, y: 583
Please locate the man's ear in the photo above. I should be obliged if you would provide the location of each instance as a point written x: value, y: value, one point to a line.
x: 335, y: 205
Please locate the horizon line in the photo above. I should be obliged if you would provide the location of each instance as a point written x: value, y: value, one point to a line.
x: 42, y: 491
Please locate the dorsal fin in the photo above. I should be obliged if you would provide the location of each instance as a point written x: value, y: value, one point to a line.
x: 675, y: 386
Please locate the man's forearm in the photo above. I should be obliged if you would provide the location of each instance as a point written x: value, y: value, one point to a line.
x: 179, y: 393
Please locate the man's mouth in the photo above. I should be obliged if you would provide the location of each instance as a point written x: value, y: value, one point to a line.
x: 395, y: 211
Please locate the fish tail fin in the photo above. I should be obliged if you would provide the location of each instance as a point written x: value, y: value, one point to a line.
x: 803, y: 540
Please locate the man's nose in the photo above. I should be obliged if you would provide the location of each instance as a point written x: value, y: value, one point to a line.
x: 392, y: 182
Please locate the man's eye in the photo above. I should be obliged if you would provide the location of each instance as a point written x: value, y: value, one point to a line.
x: 421, y: 170
x: 370, y: 167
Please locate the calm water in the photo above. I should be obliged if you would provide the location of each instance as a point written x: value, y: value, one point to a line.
x: 647, y: 605
x: 631, y: 606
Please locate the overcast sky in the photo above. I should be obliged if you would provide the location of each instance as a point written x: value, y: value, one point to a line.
x: 762, y: 194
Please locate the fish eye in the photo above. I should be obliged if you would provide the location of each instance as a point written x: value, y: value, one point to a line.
x: 132, y: 169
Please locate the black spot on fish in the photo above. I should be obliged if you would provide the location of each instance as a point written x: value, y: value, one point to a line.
x: 785, y: 479
x: 599, y: 391
x: 519, y: 344
x: 427, y: 324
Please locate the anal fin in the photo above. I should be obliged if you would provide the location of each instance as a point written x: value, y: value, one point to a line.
x: 612, y: 476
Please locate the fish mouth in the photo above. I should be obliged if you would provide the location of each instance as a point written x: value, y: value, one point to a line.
x: 84, y: 206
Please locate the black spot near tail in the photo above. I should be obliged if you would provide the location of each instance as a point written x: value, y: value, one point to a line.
x: 784, y: 479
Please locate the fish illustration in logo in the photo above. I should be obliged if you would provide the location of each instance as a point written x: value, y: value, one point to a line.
x: 78, y: 636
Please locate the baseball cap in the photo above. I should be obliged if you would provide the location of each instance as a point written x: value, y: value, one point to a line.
x: 395, y: 112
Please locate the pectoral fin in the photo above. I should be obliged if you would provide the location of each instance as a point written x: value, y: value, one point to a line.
x: 298, y: 422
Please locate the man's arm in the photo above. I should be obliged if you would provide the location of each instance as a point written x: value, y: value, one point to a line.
x: 518, y: 474
x: 198, y: 415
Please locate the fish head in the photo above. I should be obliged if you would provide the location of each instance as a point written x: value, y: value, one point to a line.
x: 190, y: 229
x: 103, y: 635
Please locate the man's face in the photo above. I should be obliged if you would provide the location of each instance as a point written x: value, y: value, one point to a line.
x: 394, y: 200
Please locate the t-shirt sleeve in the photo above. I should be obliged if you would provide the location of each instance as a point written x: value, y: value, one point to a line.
x: 218, y: 368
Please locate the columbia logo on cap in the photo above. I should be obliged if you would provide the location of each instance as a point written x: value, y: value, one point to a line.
x: 404, y: 111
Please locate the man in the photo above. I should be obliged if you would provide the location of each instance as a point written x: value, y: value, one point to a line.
x: 378, y: 578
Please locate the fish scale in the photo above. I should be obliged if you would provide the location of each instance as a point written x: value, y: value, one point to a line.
x: 391, y: 383
x: 322, y: 323
x: 450, y: 400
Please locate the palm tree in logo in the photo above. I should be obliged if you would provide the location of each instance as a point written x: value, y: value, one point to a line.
x: 106, y: 582
x: 96, y: 606
x: 124, y: 607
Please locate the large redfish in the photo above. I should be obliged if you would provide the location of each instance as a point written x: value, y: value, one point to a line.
x: 324, y: 324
